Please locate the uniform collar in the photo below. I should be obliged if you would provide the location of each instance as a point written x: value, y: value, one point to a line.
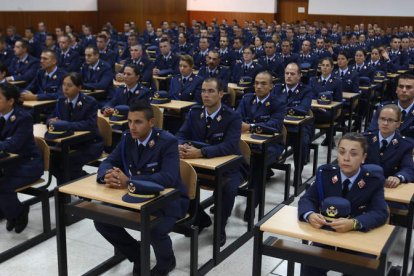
x: 132, y: 90
x: 407, y: 110
x: 52, y: 73
x: 389, y: 138
x: 74, y: 101
x: 145, y: 142
x: 7, y: 115
x: 352, y: 178
x: 262, y: 101
x: 212, y: 116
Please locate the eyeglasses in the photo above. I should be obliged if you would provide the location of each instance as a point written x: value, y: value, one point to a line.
x: 387, y: 120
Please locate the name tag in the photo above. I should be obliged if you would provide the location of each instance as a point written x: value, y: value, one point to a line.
x: 265, y: 117
x: 221, y: 134
x: 150, y: 165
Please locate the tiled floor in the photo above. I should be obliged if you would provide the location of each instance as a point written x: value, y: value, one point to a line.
x: 86, y: 247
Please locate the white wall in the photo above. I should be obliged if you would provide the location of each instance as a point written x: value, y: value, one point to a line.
x: 362, y: 7
x: 49, y: 5
x: 256, y: 6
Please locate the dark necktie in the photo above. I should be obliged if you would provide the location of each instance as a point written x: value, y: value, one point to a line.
x: 211, y: 74
x: 70, y: 106
x: 184, y: 80
x: 2, y: 123
x: 290, y: 93
x: 342, y: 74
x: 259, y: 104
x: 384, y: 145
x: 323, y: 82
x: 345, y: 187
x: 208, y: 123
x: 141, y: 148
x: 129, y: 94
x: 358, y: 68
x: 403, y: 114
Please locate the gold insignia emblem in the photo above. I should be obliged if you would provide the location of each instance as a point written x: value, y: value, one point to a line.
x: 394, y: 141
x: 331, y: 211
x: 97, y: 68
x: 51, y: 128
x: 361, y: 184
x: 79, y: 104
x: 291, y: 112
x: 116, y: 112
x: 330, y: 80
x: 202, y: 115
x: 54, y: 77
x: 374, y: 139
x: 412, y: 112
x: 190, y: 79
x: 267, y: 104
x: 334, y: 179
x: 219, y: 118
x: 156, y: 95
x: 323, y: 97
x: 259, y: 130
x: 131, y: 188
x: 151, y: 143
x: 12, y: 118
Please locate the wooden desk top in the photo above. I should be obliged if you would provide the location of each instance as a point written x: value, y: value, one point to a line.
x: 210, y: 163
x: 37, y: 103
x: 118, y: 83
x: 235, y: 86
x: 8, y: 158
x: 118, y: 123
x: 17, y: 82
x: 176, y: 105
x: 298, y: 122
x: 39, y: 130
x: 93, y: 92
x: 402, y: 194
x: 349, y: 95
x: 392, y: 75
x: 247, y: 137
x: 88, y: 188
x: 402, y: 71
x: 285, y: 222
x: 161, y: 77
x: 325, y: 106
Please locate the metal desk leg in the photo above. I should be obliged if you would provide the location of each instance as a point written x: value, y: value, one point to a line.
x: 61, y: 233
x: 217, y: 217
x: 257, y: 252
x: 145, y: 243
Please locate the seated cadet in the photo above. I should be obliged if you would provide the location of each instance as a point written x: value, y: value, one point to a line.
x: 226, y: 56
x: 218, y: 126
x: 142, y: 62
x: 155, y: 160
x: 96, y: 74
x: 125, y: 95
x: 270, y: 62
x: 262, y: 109
x: 405, y: 94
x: 361, y: 67
x: 361, y: 185
x: 69, y: 59
x: 106, y: 54
x: 76, y: 112
x: 187, y: 85
x: 323, y: 85
x: 48, y: 82
x: 398, y: 58
x: 287, y: 56
x: 298, y: 96
x: 166, y: 63
x: 34, y: 44
x: 246, y: 67
x: 200, y: 54
x: 380, y: 61
x: 16, y: 136
x: 213, y: 69
x: 306, y: 55
x: 350, y: 79
x: 183, y: 46
x: 258, y: 47
x: 390, y: 150
x: 23, y: 67
x: 3, y: 72
x: 6, y: 54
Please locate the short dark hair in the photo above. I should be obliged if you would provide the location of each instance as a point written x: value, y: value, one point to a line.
x: 135, y: 68
x: 94, y: 49
x: 75, y: 77
x: 10, y: 91
x: 53, y: 53
x: 406, y: 76
x: 356, y: 137
x: 217, y: 81
x: 142, y: 106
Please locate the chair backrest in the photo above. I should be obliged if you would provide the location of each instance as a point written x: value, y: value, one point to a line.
x: 159, y: 116
x: 105, y: 130
x: 245, y: 150
x: 189, y: 178
x: 284, y: 134
x: 45, y: 151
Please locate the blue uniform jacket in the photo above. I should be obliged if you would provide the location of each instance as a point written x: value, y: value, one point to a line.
x: 368, y: 205
x: 17, y: 137
x: 47, y: 88
x: 71, y: 62
x: 239, y: 71
x: 333, y: 84
x: 109, y: 57
x: 6, y: 56
x: 223, y: 136
x: 396, y: 160
x: 365, y: 71
x: 25, y: 70
x: 144, y: 66
x: 167, y: 66
x: 222, y: 73
x: 199, y: 59
x: 189, y: 91
x: 270, y: 114
x: 406, y: 128
x: 350, y: 81
x: 159, y: 163
x: 273, y: 65
x: 101, y: 78
x: 121, y: 96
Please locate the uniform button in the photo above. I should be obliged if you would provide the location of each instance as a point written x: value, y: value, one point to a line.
x: 381, y: 154
x: 153, y: 170
x: 130, y: 165
x: 396, y: 168
x: 138, y: 172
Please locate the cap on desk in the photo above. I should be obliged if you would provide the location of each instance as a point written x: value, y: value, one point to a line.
x: 245, y: 81
x: 325, y: 97
x: 335, y: 207
x: 305, y: 66
x: 364, y: 81
x: 295, y: 114
x: 161, y: 97
x: 120, y: 113
x: 141, y: 190
x: 152, y: 48
x: 58, y: 129
x: 379, y: 75
x: 259, y: 132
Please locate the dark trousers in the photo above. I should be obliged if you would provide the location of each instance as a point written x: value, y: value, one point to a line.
x: 10, y: 205
x: 292, y: 141
x: 130, y: 247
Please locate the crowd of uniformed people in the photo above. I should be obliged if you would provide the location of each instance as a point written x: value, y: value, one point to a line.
x: 281, y: 68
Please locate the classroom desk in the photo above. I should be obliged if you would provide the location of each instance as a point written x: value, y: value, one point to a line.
x: 404, y: 193
x: 20, y: 83
x: 260, y: 157
x: 297, y: 181
x: 175, y: 109
x: 333, y: 108
x: 283, y: 221
x: 351, y: 97
x: 218, y: 166
x: 63, y: 145
x: 157, y: 80
x: 98, y: 93
x: 6, y: 160
x: 117, y: 84
x: 234, y: 91
x: 38, y: 107
x: 115, y: 123
x: 134, y: 216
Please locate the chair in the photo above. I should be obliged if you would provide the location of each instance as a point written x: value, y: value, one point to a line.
x: 105, y: 130
x: 185, y: 225
x: 39, y: 194
x: 159, y: 116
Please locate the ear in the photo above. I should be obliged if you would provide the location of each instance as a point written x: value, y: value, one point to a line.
x: 152, y: 122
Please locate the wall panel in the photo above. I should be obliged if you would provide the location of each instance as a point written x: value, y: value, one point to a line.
x: 208, y: 16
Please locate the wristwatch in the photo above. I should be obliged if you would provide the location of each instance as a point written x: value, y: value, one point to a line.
x: 357, y: 225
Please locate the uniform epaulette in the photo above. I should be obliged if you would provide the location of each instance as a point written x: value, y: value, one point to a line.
x: 196, y: 107
x: 328, y: 167
x: 387, y: 102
